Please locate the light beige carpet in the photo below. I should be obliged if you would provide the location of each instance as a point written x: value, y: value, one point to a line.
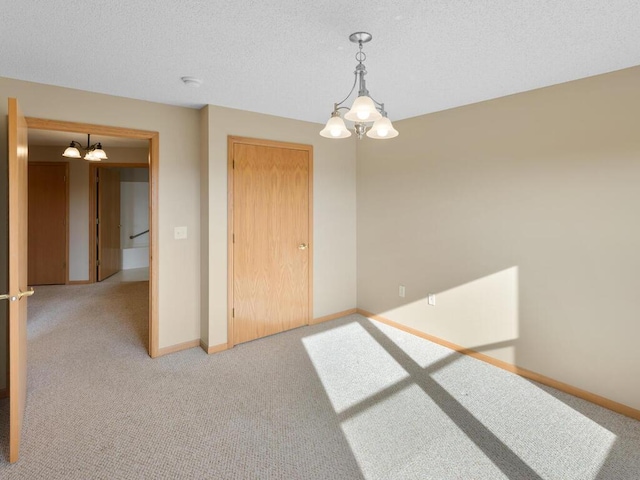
x: 348, y: 399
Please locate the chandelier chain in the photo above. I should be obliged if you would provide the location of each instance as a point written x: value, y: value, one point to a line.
x: 361, y: 56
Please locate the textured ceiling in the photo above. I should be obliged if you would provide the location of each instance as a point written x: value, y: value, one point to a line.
x: 292, y: 58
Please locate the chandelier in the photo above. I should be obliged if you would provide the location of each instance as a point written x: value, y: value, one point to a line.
x: 365, y: 110
x: 93, y: 153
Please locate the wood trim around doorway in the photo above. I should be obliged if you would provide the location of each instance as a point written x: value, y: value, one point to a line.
x: 154, y: 193
x: 231, y: 142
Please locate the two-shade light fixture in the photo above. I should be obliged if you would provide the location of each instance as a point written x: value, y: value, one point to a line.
x: 92, y: 153
x: 365, y: 110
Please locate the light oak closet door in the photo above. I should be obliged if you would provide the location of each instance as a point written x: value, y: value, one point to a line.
x: 271, y: 240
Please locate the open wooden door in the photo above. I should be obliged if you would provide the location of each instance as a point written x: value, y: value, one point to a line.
x: 18, y: 291
x: 109, y: 252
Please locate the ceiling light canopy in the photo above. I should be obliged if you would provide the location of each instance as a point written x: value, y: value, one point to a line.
x: 365, y: 110
x: 93, y: 153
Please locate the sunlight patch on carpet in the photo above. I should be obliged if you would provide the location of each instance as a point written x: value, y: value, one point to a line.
x: 351, y: 365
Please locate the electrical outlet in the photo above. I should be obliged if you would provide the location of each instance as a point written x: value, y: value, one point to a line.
x: 401, y: 291
x: 431, y: 299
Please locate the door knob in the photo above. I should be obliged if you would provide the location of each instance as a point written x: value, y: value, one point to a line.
x: 28, y: 293
x: 302, y: 246
x: 13, y: 298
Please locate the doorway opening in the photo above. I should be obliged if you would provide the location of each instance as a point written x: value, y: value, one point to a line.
x: 119, y: 235
x: 89, y: 253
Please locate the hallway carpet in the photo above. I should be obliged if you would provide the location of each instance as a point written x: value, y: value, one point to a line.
x: 347, y: 399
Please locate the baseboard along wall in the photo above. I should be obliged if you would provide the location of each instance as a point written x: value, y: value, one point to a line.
x: 177, y: 348
x: 536, y: 377
x: 223, y: 346
x: 523, y: 372
x: 333, y: 316
x: 214, y: 348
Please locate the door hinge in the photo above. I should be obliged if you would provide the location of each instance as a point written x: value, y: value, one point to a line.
x: 233, y: 164
x: 233, y: 238
x: 98, y: 263
x: 64, y: 179
x: 97, y: 221
x: 233, y: 313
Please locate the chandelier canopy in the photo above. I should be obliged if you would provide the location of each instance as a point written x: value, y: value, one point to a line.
x: 365, y: 110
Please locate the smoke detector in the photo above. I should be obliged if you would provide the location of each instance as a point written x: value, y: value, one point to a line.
x: 192, y: 82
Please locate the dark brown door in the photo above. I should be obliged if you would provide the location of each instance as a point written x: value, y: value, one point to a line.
x: 271, y: 249
x: 47, y: 224
x: 109, y: 253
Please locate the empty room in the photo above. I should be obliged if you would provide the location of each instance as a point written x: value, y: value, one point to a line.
x: 384, y: 240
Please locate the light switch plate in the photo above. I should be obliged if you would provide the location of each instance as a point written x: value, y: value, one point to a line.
x: 180, y: 233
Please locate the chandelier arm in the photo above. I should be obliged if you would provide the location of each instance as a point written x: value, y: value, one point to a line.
x: 355, y: 82
x: 381, y: 105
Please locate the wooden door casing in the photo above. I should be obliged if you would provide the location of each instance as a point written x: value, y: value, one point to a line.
x: 18, y: 270
x: 48, y: 220
x: 271, y: 212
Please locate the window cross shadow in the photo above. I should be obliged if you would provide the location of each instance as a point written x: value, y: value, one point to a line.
x: 499, y: 453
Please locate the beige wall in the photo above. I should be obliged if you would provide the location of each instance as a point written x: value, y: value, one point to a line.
x: 518, y: 213
x: 179, y: 202
x: 78, y: 219
x: 334, y: 206
x: 521, y: 215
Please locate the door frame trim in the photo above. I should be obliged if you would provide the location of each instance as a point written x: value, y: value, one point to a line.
x: 66, y: 218
x: 231, y: 142
x: 154, y: 193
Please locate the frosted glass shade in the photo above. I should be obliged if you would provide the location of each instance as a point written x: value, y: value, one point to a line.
x: 99, y: 153
x: 335, y: 128
x: 382, y: 129
x: 90, y: 156
x: 71, y: 152
x: 363, y: 110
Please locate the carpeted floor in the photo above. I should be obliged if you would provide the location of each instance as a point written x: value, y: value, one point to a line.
x: 348, y: 399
